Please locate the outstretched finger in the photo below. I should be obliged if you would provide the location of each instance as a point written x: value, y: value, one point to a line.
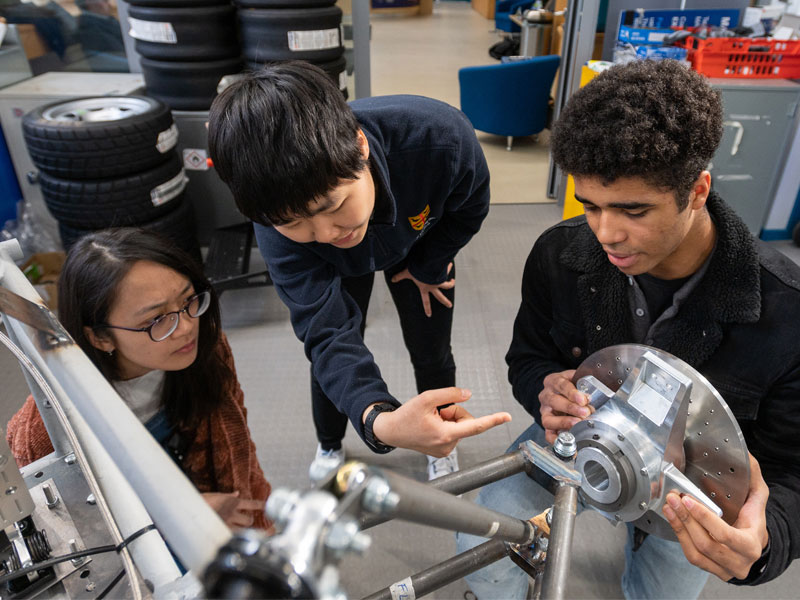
x: 426, y: 302
x: 249, y: 504
x: 447, y: 285
x: 404, y: 274
x: 470, y: 427
x: 442, y: 298
x: 433, y: 399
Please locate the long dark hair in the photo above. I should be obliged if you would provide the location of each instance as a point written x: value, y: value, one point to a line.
x: 87, y: 290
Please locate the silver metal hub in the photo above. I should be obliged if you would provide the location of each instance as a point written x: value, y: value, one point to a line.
x: 659, y: 425
x: 105, y: 108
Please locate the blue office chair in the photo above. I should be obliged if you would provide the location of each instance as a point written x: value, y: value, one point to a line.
x: 504, y: 8
x: 510, y: 99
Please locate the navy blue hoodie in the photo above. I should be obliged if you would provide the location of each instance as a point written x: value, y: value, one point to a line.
x: 425, y: 157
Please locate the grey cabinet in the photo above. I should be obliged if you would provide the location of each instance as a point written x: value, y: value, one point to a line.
x: 759, y: 123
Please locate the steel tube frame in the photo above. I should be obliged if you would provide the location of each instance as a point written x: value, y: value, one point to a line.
x: 554, y: 583
x: 446, y: 572
x: 420, y: 503
x: 467, y: 479
x: 191, y: 527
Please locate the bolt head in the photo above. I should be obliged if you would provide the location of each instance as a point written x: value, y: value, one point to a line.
x: 280, y: 504
x: 565, y: 445
x: 378, y: 496
x: 643, y: 505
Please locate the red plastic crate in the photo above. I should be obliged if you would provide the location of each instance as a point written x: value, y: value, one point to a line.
x: 745, y: 57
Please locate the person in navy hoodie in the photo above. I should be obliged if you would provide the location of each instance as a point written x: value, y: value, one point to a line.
x: 397, y: 184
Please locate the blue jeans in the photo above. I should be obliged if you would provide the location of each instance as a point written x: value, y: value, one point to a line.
x: 658, y: 569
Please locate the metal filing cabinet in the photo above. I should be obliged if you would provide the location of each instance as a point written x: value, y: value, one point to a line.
x: 760, y: 117
x: 212, y: 200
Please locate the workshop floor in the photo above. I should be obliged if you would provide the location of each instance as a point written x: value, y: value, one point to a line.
x: 413, y: 55
x: 274, y: 372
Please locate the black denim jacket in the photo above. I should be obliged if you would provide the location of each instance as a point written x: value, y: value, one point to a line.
x: 740, y: 327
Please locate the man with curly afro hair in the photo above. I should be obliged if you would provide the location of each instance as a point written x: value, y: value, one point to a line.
x: 659, y: 259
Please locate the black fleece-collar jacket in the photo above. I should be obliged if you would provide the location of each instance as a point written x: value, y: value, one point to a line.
x: 740, y: 327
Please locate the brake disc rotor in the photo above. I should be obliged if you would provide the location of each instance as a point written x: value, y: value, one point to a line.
x: 717, y: 460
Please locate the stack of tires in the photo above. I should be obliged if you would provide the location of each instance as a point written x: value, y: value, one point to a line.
x: 186, y: 47
x: 310, y: 30
x: 110, y: 161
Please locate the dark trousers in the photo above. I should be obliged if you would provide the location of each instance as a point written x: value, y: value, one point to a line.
x: 427, y: 340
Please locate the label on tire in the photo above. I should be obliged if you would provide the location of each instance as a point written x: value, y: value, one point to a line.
x: 167, y: 139
x: 152, y: 31
x: 315, y: 39
x: 168, y: 190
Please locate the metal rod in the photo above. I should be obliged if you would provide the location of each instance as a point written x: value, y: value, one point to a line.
x: 481, y: 474
x: 361, y: 40
x: 445, y: 572
x: 55, y: 432
x: 467, y: 479
x: 556, y: 570
x: 420, y: 503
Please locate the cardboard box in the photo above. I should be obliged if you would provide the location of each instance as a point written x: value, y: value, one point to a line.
x: 485, y: 8
x: 31, y: 41
x: 43, y: 270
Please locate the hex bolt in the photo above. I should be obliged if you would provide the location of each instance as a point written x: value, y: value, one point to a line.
x: 360, y: 543
x: 590, y: 424
x: 70, y: 458
x: 643, y: 505
x: 565, y: 445
x: 90, y: 499
x: 280, y: 504
x: 643, y: 471
x: 73, y: 547
x: 378, y: 496
x: 50, y: 497
x: 341, y: 534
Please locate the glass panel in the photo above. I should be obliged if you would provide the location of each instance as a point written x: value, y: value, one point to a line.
x: 66, y: 35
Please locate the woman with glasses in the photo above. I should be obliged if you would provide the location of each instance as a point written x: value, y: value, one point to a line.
x: 146, y: 316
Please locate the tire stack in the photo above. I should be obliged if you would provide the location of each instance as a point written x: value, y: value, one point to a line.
x: 186, y: 47
x: 111, y: 161
x: 310, y: 30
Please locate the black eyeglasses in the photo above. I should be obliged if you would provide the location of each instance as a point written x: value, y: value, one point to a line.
x: 163, y: 326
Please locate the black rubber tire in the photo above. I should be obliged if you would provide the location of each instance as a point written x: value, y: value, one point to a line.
x: 265, y: 33
x: 178, y: 226
x: 284, y: 3
x: 202, y: 33
x: 177, y: 3
x: 129, y: 200
x: 99, y: 149
x: 796, y: 234
x: 187, y: 85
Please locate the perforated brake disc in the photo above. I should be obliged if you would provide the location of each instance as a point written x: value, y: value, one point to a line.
x: 630, y: 452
